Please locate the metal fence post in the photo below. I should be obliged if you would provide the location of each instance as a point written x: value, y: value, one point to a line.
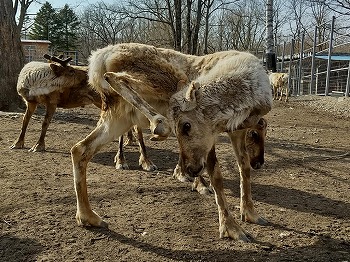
x: 290, y: 65
x: 312, y: 82
x: 329, y: 57
x: 347, y: 82
x: 283, y: 54
x: 300, y: 91
x: 316, y: 84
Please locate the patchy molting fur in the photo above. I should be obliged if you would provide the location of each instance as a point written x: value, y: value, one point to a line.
x: 208, y: 108
x: 38, y: 78
x: 228, y: 92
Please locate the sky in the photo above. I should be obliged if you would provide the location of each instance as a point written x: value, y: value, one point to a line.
x: 76, y: 5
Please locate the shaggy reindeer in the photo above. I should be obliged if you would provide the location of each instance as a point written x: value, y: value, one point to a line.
x: 57, y: 84
x: 231, y: 92
x: 279, y: 83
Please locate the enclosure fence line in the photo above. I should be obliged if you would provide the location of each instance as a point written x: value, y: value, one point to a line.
x: 321, y: 69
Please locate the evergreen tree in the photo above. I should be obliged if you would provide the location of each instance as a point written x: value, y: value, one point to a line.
x: 43, y: 23
x: 67, y: 25
x: 58, y: 27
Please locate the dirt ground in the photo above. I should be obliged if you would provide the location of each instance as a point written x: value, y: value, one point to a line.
x: 303, y: 190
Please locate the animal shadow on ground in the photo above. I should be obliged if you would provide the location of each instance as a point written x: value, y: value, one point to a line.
x: 309, y: 160
x: 19, y: 249
x: 163, y: 158
x: 323, y: 245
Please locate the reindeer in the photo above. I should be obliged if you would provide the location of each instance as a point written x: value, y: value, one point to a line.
x: 58, y: 84
x: 201, y: 96
x: 248, y: 145
x: 279, y: 83
x: 53, y: 85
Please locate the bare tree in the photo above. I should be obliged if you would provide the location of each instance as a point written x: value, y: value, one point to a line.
x: 339, y: 6
x: 243, y: 27
x: 11, y: 53
x: 178, y: 24
x: 101, y: 25
x: 298, y: 9
x: 165, y: 13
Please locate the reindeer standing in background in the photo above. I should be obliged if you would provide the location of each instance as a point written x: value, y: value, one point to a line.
x: 58, y: 84
x: 279, y: 84
x: 54, y: 85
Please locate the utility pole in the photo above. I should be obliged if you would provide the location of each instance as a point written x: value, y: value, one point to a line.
x: 270, y: 50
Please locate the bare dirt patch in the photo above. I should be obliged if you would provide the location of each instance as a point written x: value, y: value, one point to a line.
x: 303, y: 191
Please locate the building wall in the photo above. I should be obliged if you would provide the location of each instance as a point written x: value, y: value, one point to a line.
x: 34, y: 50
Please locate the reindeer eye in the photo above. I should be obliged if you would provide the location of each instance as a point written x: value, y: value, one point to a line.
x: 254, y: 134
x: 186, y: 127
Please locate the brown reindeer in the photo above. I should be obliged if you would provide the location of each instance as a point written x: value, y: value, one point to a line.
x: 231, y: 92
x: 248, y: 145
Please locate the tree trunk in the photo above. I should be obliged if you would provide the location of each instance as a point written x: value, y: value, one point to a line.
x: 188, y: 27
x: 270, y: 54
x: 11, y: 56
x: 178, y: 25
x: 196, y: 28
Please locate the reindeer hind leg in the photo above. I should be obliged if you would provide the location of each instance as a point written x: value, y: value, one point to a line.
x: 31, y: 107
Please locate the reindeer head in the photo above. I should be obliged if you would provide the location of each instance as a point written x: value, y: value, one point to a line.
x: 197, y: 120
x: 255, y: 143
x: 194, y: 129
x: 73, y: 75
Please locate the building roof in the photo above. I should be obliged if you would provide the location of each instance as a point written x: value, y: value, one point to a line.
x: 35, y: 41
x: 337, y: 57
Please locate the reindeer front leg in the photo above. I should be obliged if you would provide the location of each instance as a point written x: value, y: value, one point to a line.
x: 227, y: 224
x: 122, y: 83
x: 107, y: 129
x: 248, y: 212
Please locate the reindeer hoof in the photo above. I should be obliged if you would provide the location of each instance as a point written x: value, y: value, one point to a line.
x: 17, y: 145
x: 120, y: 166
x: 149, y: 167
x: 244, y: 238
x: 255, y: 219
x: 90, y: 220
x: 37, y: 148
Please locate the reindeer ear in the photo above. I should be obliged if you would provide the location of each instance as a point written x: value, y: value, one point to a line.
x: 56, y: 69
x: 262, y: 123
x: 191, y: 92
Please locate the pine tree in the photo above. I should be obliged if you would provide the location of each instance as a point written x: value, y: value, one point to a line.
x: 67, y: 25
x: 58, y: 27
x: 43, y: 23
